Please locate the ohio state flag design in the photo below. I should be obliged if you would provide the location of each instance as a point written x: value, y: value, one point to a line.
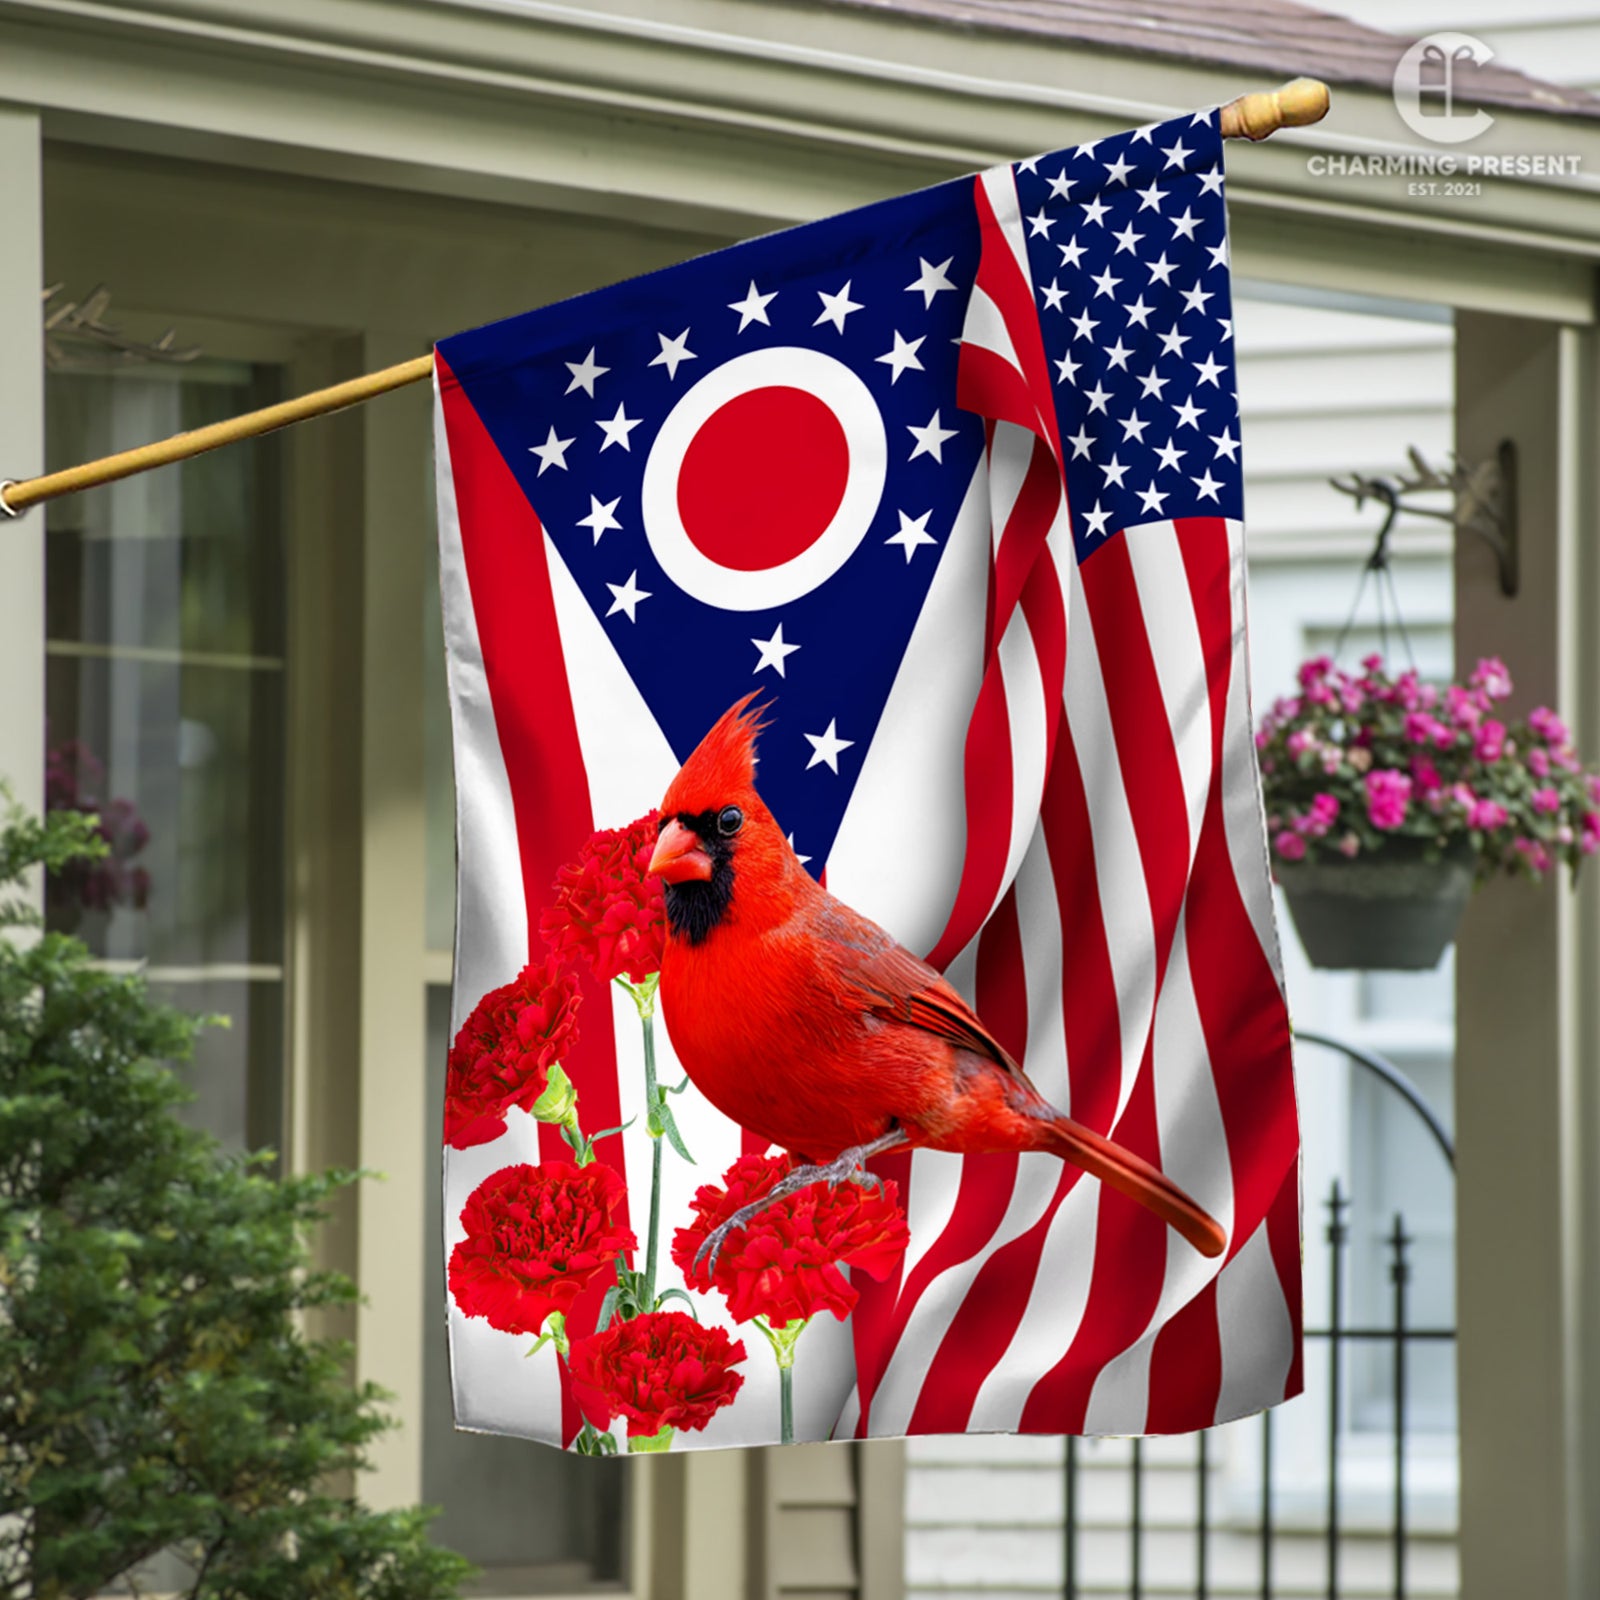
x: 952, y: 482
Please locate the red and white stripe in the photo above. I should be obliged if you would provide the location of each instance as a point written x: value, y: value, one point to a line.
x: 1113, y: 925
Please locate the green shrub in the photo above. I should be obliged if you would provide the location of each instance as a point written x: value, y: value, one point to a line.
x: 156, y: 1392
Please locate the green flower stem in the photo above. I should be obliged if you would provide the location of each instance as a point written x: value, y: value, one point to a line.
x: 650, y: 1444
x: 783, y: 1338
x: 644, y: 1000
x: 652, y: 1095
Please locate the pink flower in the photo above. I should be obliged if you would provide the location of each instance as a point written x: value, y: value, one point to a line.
x: 1324, y: 813
x: 1358, y: 758
x: 1331, y: 758
x: 1591, y: 829
x: 1539, y: 762
x: 1549, y: 726
x: 1373, y: 663
x: 1301, y: 741
x: 1388, y: 793
x: 1263, y: 738
x: 1534, y: 853
x: 1421, y: 727
x: 1352, y: 697
x: 1547, y: 801
x: 1491, y: 741
x: 1465, y: 707
x: 1463, y: 796
x: 1314, y: 670
x: 1491, y: 676
x: 1349, y: 845
x: 1290, y: 846
x: 1486, y: 814
x: 1425, y: 777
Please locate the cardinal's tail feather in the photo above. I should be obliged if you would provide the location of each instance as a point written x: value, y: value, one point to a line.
x: 1135, y: 1177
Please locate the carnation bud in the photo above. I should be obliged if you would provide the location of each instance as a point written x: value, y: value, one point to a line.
x: 559, y: 1102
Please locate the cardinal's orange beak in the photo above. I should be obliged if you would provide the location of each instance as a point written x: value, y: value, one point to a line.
x: 679, y: 856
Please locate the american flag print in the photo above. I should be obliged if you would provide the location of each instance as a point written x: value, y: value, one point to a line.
x: 955, y: 479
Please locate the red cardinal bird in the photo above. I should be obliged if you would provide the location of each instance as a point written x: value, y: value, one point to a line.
x: 810, y: 1026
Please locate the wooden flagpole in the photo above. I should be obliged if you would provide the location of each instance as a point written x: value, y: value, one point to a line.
x: 1251, y: 116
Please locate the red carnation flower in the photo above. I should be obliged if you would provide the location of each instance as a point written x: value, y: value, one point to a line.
x: 608, y: 908
x: 660, y: 1370
x: 505, y: 1049
x: 785, y: 1265
x: 535, y: 1237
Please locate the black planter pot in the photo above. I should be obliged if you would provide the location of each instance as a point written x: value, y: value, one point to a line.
x: 1393, y: 911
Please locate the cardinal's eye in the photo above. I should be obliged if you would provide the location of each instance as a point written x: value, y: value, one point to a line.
x: 730, y: 821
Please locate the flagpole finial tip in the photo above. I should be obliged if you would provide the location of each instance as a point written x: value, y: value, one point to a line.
x: 1254, y: 116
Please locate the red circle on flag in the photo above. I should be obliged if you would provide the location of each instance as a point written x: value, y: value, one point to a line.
x: 763, y: 477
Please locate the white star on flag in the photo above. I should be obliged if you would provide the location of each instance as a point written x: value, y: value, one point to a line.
x: 584, y: 373
x: 1226, y: 444
x: 1072, y: 253
x: 552, y: 453
x: 626, y: 596
x: 903, y: 355
x: 931, y: 280
x: 835, y: 307
x: 1040, y: 224
x: 774, y: 652
x: 617, y: 428
x: 798, y: 857
x: 826, y: 747
x: 1161, y: 271
x: 1183, y: 227
x: 600, y: 518
x: 673, y: 351
x: 1067, y: 369
x: 1097, y: 520
x: 1080, y: 442
x: 913, y: 532
x: 1114, y: 472
x: 1208, y: 371
x: 1053, y: 294
x: 1104, y: 282
x: 1207, y: 485
x: 1150, y: 199
x: 1178, y: 154
x: 1117, y: 171
x: 1188, y: 415
x: 1094, y: 210
x: 1061, y: 185
x: 1170, y: 455
x: 930, y: 439
x: 753, y: 308
x: 1152, y: 498
x: 1127, y: 240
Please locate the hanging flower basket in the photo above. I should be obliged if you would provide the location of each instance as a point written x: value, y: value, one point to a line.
x: 1397, y: 910
x: 1388, y: 799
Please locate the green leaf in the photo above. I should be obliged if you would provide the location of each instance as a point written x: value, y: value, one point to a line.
x: 669, y: 1126
x: 676, y: 1294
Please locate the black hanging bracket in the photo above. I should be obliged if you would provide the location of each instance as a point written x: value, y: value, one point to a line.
x: 1483, y: 502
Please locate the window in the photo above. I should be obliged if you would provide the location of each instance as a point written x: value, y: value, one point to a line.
x: 165, y: 708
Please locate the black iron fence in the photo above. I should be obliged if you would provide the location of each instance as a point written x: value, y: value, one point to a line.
x: 1338, y: 1337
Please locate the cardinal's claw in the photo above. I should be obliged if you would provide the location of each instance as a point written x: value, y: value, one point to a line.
x: 848, y: 1167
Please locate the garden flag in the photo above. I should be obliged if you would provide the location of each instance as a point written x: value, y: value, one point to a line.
x: 868, y: 1017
